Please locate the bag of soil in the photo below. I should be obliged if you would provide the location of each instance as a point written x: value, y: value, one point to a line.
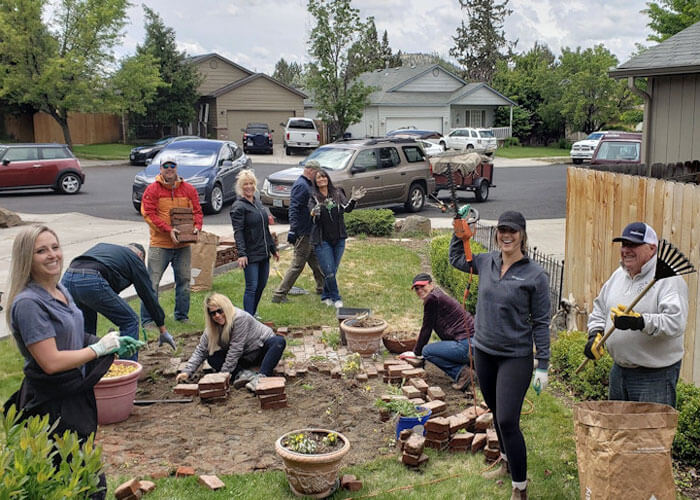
x: 203, y: 260
x: 624, y: 449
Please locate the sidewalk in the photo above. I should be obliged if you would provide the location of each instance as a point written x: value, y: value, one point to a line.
x: 78, y: 232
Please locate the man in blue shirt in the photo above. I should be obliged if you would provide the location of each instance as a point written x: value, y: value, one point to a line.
x: 95, y: 279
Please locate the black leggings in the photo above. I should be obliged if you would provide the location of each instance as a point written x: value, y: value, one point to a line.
x: 504, y: 382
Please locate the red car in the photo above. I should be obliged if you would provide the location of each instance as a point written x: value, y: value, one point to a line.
x: 617, y: 148
x: 35, y: 166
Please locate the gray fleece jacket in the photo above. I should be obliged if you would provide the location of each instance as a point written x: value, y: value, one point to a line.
x: 247, y: 336
x: 511, y: 311
x: 664, y: 309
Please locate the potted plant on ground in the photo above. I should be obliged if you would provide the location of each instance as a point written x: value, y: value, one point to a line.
x: 312, y: 459
x: 409, y: 416
x: 364, y: 333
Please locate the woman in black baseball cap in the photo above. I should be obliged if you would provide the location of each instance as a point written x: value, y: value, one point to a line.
x: 512, y: 312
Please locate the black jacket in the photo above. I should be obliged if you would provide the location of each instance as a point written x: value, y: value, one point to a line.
x: 251, y: 230
x: 326, y: 218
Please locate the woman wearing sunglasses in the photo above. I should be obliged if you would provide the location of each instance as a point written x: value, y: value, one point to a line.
x: 233, y: 342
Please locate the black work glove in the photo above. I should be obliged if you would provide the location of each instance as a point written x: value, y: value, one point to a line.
x: 291, y: 237
x: 629, y: 320
x: 592, y: 352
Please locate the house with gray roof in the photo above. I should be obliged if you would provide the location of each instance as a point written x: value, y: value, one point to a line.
x: 672, y: 98
x: 426, y: 97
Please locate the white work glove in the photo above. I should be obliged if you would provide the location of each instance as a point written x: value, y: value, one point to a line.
x: 408, y: 355
x: 316, y: 210
x: 108, y: 344
x: 182, y: 377
x: 540, y: 381
x: 357, y: 193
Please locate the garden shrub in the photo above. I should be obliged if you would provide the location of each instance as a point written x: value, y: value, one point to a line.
x: 27, y: 450
x: 567, y: 355
x: 511, y: 141
x: 686, y: 445
x: 451, y: 279
x: 370, y: 221
x: 563, y: 143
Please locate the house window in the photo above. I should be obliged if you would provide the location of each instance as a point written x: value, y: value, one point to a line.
x: 476, y: 118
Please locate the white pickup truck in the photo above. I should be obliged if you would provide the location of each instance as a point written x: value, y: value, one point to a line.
x: 300, y: 134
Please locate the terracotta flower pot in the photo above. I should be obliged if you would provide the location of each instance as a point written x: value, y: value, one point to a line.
x: 312, y: 475
x: 397, y: 346
x: 115, y: 395
x: 364, y: 340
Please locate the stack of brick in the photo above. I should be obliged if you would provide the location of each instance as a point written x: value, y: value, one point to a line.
x: 186, y: 389
x: 438, y: 408
x: 182, y: 219
x: 492, y: 450
x: 133, y: 489
x: 394, y: 371
x: 437, y: 433
x: 214, y: 387
x: 270, y: 392
x: 412, y: 451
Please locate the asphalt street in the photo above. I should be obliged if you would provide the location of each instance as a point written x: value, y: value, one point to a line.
x: 539, y: 192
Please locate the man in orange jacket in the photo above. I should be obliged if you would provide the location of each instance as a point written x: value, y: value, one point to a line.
x: 169, y: 191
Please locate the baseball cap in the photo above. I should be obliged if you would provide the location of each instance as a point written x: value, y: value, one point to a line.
x: 168, y: 159
x: 512, y: 219
x: 313, y: 164
x: 421, y: 280
x: 638, y: 232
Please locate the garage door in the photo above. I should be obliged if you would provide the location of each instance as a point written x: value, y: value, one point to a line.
x: 425, y: 123
x: 236, y: 120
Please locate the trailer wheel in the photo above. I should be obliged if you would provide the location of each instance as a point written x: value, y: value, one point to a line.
x: 482, y: 192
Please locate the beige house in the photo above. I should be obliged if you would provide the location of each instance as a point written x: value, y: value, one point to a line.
x: 672, y: 98
x: 233, y: 96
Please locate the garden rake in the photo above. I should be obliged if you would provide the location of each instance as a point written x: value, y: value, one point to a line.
x: 669, y: 262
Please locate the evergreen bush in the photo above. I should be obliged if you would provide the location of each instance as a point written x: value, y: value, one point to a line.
x: 370, y: 221
x: 686, y: 444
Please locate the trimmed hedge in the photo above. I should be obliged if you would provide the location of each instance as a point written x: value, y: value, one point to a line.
x: 370, y: 221
x: 592, y: 383
x: 453, y: 280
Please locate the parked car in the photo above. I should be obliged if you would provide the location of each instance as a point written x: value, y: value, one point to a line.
x: 430, y: 148
x: 481, y: 140
x: 428, y: 135
x: 583, y: 150
x: 210, y: 166
x: 300, y: 134
x: 142, y: 155
x: 618, y: 148
x: 32, y: 166
x: 257, y: 138
x: 393, y: 170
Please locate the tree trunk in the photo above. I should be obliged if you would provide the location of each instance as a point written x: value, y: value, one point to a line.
x: 61, y: 117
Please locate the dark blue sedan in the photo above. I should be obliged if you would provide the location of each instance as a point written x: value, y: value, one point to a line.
x: 210, y: 166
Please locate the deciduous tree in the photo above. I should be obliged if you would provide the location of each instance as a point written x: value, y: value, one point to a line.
x: 668, y: 17
x: 288, y: 73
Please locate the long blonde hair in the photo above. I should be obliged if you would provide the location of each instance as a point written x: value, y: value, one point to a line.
x: 218, y: 336
x: 245, y: 176
x: 21, y: 266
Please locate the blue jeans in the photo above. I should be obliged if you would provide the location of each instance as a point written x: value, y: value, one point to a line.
x: 448, y: 355
x: 647, y: 385
x: 329, y: 258
x: 256, y: 274
x: 267, y: 357
x: 158, y: 261
x: 92, y: 294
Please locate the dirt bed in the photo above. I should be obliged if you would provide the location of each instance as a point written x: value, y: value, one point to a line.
x: 236, y: 436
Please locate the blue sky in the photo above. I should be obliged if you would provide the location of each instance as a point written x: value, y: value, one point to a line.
x: 256, y: 33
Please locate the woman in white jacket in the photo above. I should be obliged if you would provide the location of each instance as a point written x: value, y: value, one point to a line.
x: 233, y: 342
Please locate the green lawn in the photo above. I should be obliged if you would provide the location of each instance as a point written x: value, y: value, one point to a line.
x: 103, y: 151
x: 377, y: 275
x: 530, y: 152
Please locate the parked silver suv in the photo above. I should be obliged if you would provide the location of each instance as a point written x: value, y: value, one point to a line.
x: 393, y: 170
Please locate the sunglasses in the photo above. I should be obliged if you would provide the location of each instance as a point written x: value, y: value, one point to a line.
x: 215, y: 312
x: 168, y: 165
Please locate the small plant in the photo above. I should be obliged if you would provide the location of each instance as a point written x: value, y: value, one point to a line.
x: 301, y: 443
x: 317, y: 358
x: 686, y: 445
x: 402, y: 407
x: 312, y: 442
x: 352, y: 365
x: 294, y: 342
x: 307, y: 387
x: 331, y: 338
x: 288, y: 354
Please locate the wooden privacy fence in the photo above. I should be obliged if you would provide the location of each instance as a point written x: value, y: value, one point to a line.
x: 85, y: 128
x: 599, y: 205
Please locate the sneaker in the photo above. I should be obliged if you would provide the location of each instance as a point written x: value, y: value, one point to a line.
x: 258, y: 317
x: 519, y: 494
x: 184, y: 321
x: 328, y: 302
x: 253, y: 383
x: 464, y: 378
x: 279, y: 299
x: 243, y: 377
x: 338, y: 304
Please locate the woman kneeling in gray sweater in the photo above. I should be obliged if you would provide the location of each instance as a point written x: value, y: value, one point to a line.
x: 234, y: 341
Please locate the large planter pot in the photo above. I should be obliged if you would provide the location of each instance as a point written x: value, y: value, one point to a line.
x: 312, y: 475
x: 398, y: 346
x: 364, y: 340
x: 115, y: 395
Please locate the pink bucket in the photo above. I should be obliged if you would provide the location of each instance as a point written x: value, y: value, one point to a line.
x: 115, y: 395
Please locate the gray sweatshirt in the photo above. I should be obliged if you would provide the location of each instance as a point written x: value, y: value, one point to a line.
x: 247, y: 335
x: 664, y: 309
x: 511, y: 311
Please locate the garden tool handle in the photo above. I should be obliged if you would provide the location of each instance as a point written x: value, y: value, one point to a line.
x: 612, y: 327
x: 464, y: 233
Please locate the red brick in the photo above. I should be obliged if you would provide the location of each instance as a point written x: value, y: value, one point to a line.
x: 462, y: 440
x: 283, y: 330
x: 270, y: 385
x: 419, y: 384
x: 484, y: 421
x: 411, y: 392
x: 414, y: 461
x: 361, y: 377
x: 380, y: 368
x: 392, y: 397
x: 184, y: 470
x: 397, y: 370
x: 211, y: 482
x: 492, y: 453
x: 214, y: 393
x: 273, y: 405
x: 437, y: 445
x: 147, y: 486
x: 436, y: 393
x: 159, y: 474
x: 417, y: 401
x: 390, y: 362
x: 414, y: 444
x: 371, y: 371
x: 186, y: 389
x: 437, y: 436
x: 127, y: 489
x: 350, y: 483
x: 478, y: 442
x: 302, y: 371
x: 290, y: 373
x: 336, y: 373
x: 437, y: 407
x: 272, y: 397
x: 270, y: 324
x: 213, y: 381
x: 415, y: 362
x: 492, y: 438
x: 457, y: 422
x: 411, y: 372
x: 440, y: 424
x: 480, y: 411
